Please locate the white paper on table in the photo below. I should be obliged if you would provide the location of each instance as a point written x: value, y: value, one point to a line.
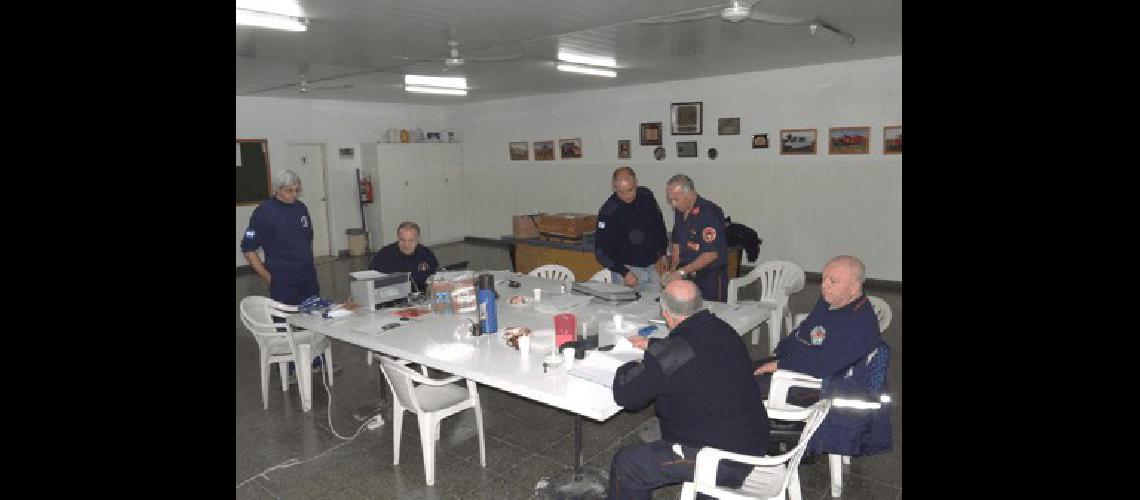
x: 366, y: 275
x: 601, y: 366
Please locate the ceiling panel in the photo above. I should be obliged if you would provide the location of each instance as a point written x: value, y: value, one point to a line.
x: 353, y: 41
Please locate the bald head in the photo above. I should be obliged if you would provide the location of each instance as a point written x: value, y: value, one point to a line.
x: 625, y: 184
x: 681, y: 299
x: 842, y: 280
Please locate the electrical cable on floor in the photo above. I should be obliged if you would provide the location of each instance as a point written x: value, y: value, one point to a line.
x: 293, y: 461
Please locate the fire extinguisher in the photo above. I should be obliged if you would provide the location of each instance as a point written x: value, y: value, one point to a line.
x: 366, y: 190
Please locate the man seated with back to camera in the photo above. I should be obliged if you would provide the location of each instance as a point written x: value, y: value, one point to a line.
x: 700, y: 379
x: 407, y: 255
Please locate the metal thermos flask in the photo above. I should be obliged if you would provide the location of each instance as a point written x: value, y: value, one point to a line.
x: 485, y: 297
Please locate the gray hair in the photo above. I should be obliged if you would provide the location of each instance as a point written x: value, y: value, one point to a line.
x: 408, y: 224
x: 626, y: 170
x: 682, y: 180
x: 682, y: 308
x: 854, y: 264
x: 285, y: 178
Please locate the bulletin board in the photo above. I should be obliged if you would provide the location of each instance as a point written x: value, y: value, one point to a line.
x: 253, y: 175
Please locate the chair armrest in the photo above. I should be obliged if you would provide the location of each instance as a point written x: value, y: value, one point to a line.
x: 285, y: 308
x: 782, y: 380
x: 708, y: 458
x: 734, y: 284
x: 787, y: 412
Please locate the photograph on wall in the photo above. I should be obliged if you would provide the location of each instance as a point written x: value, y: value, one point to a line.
x: 759, y: 141
x: 571, y: 148
x: 849, y: 140
x: 892, y: 140
x: 520, y: 151
x: 685, y: 118
x: 346, y: 153
x: 623, y: 149
x: 687, y: 149
x: 543, y: 150
x: 728, y: 126
x: 651, y: 134
x: 797, y: 141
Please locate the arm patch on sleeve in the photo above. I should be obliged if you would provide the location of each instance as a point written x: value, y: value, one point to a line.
x: 671, y: 355
x: 623, y: 377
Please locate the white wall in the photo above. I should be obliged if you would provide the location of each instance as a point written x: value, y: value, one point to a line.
x: 336, y: 124
x: 806, y: 208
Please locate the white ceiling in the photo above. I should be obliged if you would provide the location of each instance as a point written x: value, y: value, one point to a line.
x: 350, y: 41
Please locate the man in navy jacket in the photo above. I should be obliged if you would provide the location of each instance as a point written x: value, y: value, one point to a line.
x: 833, y: 344
x: 701, y: 379
x: 700, y: 251
x: 407, y: 255
x: 630, y: 238
x: 283, y: 229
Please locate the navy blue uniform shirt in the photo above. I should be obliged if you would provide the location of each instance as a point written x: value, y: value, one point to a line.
x: 421, y: 263
x: 285, y: 232
x: 630, y: 234
x: 830, y: 340
x: 704, y: 232
x: 700, y: 379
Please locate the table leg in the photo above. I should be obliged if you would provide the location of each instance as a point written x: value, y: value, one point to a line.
x: 305, y: 376
x: 581, y: 482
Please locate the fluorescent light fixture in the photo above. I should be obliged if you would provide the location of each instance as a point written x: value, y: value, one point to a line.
x: 276, y: 14
x: 434, y: 90
x: 447, y: 82
x: 284, y: 7
x: 607, y: 62
x: 830, y: 34
x: 573, y: 68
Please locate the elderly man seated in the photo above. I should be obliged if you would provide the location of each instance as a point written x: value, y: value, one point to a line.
x: 701, y: 379
x: 830, y: 344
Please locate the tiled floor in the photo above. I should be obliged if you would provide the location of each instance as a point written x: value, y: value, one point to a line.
x: 526, y: 441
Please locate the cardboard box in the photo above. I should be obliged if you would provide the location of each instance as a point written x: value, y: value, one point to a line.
x: 566, y: 225
x: 525, y: 226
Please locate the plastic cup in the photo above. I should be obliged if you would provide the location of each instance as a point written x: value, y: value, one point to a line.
x: 538, y: 295
x: 568, y: 357
x: 524, y: 345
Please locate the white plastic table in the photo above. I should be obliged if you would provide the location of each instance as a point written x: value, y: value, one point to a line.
x: 444, y: 342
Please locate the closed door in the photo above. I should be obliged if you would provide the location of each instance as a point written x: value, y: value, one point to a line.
x: 446, y: 214
x: 402, y: 196
x: 308, y: 161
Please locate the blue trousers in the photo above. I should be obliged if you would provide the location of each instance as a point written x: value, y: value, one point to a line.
x: 713, y: 283
x: 638, y: 469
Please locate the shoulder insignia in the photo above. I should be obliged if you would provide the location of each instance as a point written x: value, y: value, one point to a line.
x: 709, y: 234
x: 672, y: 355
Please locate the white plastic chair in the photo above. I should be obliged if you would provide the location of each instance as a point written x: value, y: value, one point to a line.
x: 282, y: 347
x: 432, y: 401
x: 554, y: 272
x: 772, y: 477
x: 605, y: 276
x: 783, y: 380
x: 778, y: 280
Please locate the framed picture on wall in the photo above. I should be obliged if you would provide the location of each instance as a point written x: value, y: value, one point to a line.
x: 651, y: 134
x: 797, y: 141
x: 848, y: 140
x: 760, y: 141
x: 728, y: 126
x: 623, y: 149
x: 685, y: 118
x: 520, y: 151
x: 543, y: 150
x: 571, y: 148
x: 892, y: 140
x: 687, y: 149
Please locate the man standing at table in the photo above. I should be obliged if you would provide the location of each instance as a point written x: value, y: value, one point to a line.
x: 700, y: 252
x: 283, y: 229
x: 630, y: 238
x: 407, y: 255
x: 701, y: 379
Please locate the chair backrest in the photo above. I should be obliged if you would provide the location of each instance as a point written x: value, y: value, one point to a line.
x: 605, y: 276
x: 257, y: 315
x: 882, y: 311
x: 818, y: 413
x: 776, y: 278
x: 553, y: 271
x: 400, y: 379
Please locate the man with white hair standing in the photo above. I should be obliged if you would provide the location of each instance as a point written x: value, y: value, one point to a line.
x: 281, y: 226
x: 699, y: 251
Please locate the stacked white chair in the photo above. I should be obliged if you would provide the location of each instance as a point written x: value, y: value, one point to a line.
x: 283, y: 347
x: 432, y: 400
x: 772, y: 477
x: 778, y: 280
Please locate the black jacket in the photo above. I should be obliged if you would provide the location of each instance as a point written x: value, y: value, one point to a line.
x: 701, y: 379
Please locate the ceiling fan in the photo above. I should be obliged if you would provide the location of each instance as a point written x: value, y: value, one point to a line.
x: 304, y: 87
x: 455, y: 60
x: 737, y: 11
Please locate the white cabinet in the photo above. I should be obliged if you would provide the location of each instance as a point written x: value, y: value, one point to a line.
x: 419, y: 182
